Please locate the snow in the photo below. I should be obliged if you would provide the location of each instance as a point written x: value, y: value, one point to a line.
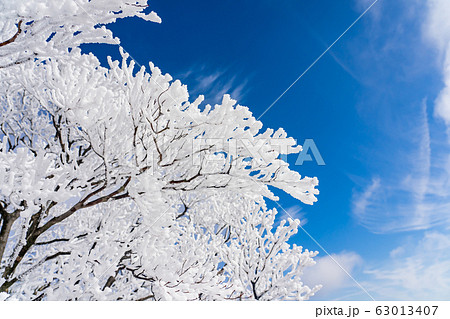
x: 121, y: 187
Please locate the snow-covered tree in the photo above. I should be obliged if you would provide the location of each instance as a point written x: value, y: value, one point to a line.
x: 114, y: 186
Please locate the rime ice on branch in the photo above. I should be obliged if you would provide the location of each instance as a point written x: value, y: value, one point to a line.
x: 113, y: 186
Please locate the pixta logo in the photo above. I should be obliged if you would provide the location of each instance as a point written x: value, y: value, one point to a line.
x: 309, y: 148
x: 210, y: 150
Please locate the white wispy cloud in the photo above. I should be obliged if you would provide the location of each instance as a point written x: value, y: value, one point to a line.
x: 414, y: 193
x: 437, y: 31
x: 363, y: 201
x: 416, y: 198
x: 418, y: 269
x: 375, y: 12
x: 294, y: 212
x: 415, y: 271
x: 206, y: 81
x: 328, y: 273
x: 213, y: 84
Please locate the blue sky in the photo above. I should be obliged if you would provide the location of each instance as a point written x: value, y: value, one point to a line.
x: 376, y: 106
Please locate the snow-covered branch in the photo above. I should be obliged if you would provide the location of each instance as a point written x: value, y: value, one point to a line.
x: 115, y: 185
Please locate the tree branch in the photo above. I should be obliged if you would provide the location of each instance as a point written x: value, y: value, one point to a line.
x: 33, y: 236
x: 14, y: 37
x: 8, y: 221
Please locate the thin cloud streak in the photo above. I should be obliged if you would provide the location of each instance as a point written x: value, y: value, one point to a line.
x: 345, y: 67
x: 294, y: 212
x: 416, y: 271
x: 437, y: 31
x: 327, y: 273
x: 414, y: 194
x: 419, y: 200
x: 214, y: 84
